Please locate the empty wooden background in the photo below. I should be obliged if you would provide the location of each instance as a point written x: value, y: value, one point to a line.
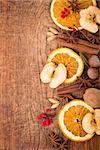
x: 23, y: 52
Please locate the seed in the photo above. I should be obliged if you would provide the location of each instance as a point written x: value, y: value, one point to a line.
x: 53, y: 100
x: 55, y: 105
x: 53, y: 30
x: 51, y: 38
x: 49, y: 34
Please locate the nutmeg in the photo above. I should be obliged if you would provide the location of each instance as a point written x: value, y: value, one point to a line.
x: 92, y: 73
x: 94, y: 61
x: 92, y: 97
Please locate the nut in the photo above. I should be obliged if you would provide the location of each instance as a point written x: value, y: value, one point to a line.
x: 47, y: 72
x: 94, y: 61
x: 92, y: 97
x: 59, y: 76
x: 93, y: 73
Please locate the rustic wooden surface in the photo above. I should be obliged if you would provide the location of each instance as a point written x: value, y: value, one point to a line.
x: 23, y: 52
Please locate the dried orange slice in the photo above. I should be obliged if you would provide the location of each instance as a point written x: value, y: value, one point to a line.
x: 71, y: 60
x: 70, y: 120
x: 65, y: 13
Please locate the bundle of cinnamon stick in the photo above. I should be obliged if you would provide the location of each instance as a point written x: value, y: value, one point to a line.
x: 80, y: 85
x: 80, y: 45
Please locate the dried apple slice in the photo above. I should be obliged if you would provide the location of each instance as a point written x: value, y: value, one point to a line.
x: 97, y: 119
x: 88, y: 123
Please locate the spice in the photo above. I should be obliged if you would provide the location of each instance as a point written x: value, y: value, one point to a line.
x: 53, y: 30
x: 74, y: 5
x: 54, y: 139
x: 65, y: 13
x: 72, y: 40
x: 77, y: 40
x: 63, y: 100
x: 77, y: 47
x: 80, y: 37
x: 50, y: 38
x: 57, y: 141
x: 81, y: 84
x: 92, y: 38
x: 66, y: 96
x: 55, y: 103
x: 85, y: 60
x: 47, y: 117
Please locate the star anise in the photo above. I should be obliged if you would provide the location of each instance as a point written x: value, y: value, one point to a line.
x: 54, y: 139
x: 63, y: 145
x: 57, y: 141
x: 64, y: 99
x: 74, y: 5
x: 66, y: 36
x: 85, y: 82
x: 92, y: 38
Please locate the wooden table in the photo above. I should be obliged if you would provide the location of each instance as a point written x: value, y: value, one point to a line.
x: 23, y: 52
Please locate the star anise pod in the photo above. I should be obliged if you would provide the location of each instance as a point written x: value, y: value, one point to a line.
x: 85, y: 82
x: 74, y: 5
x: 57, y: 141
x: 63, y: 145
x: 65, y: 98
x: 95, y: 39
x: 54, y: 139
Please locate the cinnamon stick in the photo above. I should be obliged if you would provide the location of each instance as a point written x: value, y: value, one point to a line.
x: 77, y: 47
x: 68, y: 88
x: 86, y: 43
x: 75, y: 87
x: 79, y: 41
x: 70, y: 91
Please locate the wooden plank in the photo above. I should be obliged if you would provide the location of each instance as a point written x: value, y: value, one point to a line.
x: 23, y: 52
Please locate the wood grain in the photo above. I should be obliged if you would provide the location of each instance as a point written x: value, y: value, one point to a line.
x: 23, y: 52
